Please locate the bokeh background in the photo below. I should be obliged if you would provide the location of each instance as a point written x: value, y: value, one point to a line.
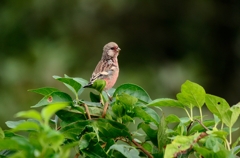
x: 164, y: 43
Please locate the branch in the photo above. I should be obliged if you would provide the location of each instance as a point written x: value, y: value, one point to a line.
x: 141, y: 148
x: 105, y: 109
x: 202, y: 125
x: 87, y: 111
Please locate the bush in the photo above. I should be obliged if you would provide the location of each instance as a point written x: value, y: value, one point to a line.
x: 102, y: 127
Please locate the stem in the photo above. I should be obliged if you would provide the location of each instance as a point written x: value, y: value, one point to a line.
x: 230, y: 135
x: 228, y: 144
x: 222, y: 126
x: 105, y: 110
x: 87, y: 111
x: 200, y: 111
x: 202, y: 125
x: 141, y: 148
x: 188, y: 114
x: 191, y: 111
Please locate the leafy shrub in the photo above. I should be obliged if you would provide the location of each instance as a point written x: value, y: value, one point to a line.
x: 102, y: 127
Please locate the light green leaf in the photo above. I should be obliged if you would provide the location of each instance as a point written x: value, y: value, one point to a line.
x: 166, y: 102
x: 33, y: 114
x: 134, y: 91
x: 230, y: 117
x: 26, y: 126
x: 172, y: 119
x: 2, y: 135
x: 179, y: 144
x: 55, y: 97
x: 126, y: 150
x: 44, y: 91
x: 217, y: 105
x: 191, y: 94
x: 13, y: 124
x: 50, y: 110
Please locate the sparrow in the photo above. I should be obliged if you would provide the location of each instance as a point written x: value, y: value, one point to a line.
x: 107, y: 68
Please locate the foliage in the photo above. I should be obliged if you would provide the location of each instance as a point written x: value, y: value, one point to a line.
x: 102, y: 127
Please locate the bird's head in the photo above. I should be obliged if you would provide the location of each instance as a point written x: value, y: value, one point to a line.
x: 110, y: 50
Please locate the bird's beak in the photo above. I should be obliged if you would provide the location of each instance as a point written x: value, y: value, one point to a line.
x: 118, y: 49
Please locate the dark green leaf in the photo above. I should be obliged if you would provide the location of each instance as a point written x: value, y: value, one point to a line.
x: 94, y: 151
x: 111, y: 129
x: 151, y: 133
x: 94, y: 97
x: 86, y: 140
x: 134, y: 91
x: 191, y: 94
x: 55, y: 97
x: 149, y: 147
x: 73, y: 130
x: 166, y: 102
x: 126, y: 150
x: 44, y: 91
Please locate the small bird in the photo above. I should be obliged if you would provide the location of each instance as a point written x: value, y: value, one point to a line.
x: 107, y: 68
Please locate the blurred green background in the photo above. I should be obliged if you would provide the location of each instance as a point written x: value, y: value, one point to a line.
x: 163, y: 44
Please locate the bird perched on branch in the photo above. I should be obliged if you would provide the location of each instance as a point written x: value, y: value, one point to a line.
x: 107, y: 68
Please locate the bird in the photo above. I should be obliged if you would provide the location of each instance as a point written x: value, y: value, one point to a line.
x: 107, y: 68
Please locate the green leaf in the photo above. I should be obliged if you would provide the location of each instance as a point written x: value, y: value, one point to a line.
x: 55, y: 97
x: 94, y: 97
x: 26, y: 126
x: 162, y: 136
x: 147, y: 114
x: 230, y: 117
x: 72, y: 130
x: 50, y: 110
x: 199, y: 128
x: 94, y: 150
x: 180, y: 144
x: 126, y: 150
x: 33, y: 114
x: 44, y: 91
x: 149, y: 147
x: 73, y: 85
x: 111, y: 129
x: 127, y: 100
x: 98, y: 85
x: 191, y: 94
x: 172, y: 119
x: 134, y: 91
x: 236, y: 150
x: 86, y: 140
x: 118, y: 109
x: 151, y: 133
x: 217, y: 105
x: 166, y: 102
x: 2, y: 135
x: 13, y: 124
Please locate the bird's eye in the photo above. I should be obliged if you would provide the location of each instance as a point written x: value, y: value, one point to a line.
x: 112, y: 48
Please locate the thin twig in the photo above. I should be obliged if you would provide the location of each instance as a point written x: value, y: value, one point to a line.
x: 105, y: 110
x: 202, y: 124
x: 87, y: 111
x: 141, y: 148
